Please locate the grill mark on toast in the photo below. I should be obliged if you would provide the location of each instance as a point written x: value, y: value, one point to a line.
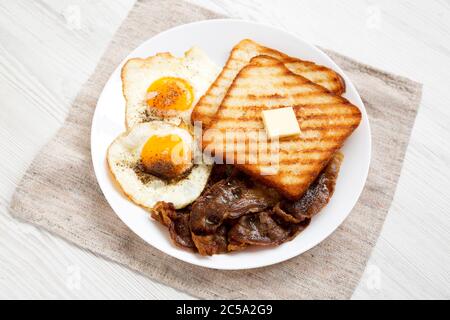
x: 290, y: 149
x: 283, y: 84
x: 278, y: 96
x: 330, y: 127
x: 304, y: 99
x: 342, y: 118
x: 299, y: 109
x: 299, y: 161
x: 300, y: 68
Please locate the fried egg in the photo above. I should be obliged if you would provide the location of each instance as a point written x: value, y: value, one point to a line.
x: 153, y: 162
x: 164, y: 87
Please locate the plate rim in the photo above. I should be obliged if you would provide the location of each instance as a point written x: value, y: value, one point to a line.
x: 349, y: 84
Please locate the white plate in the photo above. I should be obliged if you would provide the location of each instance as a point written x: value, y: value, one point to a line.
x: 216, y: 38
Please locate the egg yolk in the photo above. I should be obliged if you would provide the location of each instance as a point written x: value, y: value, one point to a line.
x: 166, y: 156
x: 170, y: 93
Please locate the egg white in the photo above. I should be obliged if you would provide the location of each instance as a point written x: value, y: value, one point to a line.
x: 138, y: 74
x: 124, y: 154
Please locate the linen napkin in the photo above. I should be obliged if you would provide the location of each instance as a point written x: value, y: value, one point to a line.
x: 59, y: 192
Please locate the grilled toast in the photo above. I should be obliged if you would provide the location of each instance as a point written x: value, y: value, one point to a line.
x: 241, y: 54
x: 325, y: 120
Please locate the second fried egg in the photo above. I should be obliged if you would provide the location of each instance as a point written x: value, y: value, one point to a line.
x: 153, y: 162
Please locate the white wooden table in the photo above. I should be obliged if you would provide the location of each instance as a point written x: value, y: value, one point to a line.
x: 48, y: 48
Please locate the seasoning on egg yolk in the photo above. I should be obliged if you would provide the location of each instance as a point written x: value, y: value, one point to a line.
x: 170, y: 93
x: 166, y: 156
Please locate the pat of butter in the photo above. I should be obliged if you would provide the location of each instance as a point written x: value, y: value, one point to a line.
x: 280, y: 122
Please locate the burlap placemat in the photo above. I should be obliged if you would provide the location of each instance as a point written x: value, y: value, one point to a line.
x: 59, y: 192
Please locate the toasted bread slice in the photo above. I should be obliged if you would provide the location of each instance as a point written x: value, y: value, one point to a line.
x: 241, y: 54
x: 290, y: 165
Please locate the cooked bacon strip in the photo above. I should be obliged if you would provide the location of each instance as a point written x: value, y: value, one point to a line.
x: 228, y: 199
x: 177, y: 221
